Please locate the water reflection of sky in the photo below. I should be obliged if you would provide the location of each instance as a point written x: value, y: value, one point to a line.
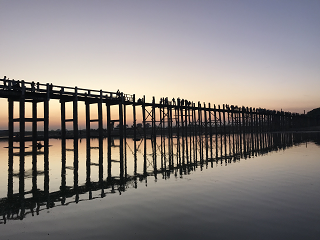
x: 273, y: 196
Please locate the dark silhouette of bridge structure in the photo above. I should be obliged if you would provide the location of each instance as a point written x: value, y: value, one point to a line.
x: 183, y: 134
x: 177, y: 116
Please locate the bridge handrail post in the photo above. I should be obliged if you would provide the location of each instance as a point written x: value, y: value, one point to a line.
x: 4, y: 82
x: 32, y: 87
x: 9, y: 84
x: 23, y: 87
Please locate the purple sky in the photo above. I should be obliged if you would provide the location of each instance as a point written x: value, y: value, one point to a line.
x: 252, y: 53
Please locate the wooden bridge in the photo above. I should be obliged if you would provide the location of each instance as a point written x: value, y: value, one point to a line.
x: 184, y: 134
x: 176, y: 116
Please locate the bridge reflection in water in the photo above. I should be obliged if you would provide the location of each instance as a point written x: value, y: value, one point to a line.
x: 158, y: 157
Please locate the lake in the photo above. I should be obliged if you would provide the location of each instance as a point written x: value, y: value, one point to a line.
x: 248, y: 186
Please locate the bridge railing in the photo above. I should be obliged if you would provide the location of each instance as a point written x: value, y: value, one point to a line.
x: 17, y: 85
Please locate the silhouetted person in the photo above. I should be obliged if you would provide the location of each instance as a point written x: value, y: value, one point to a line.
x: 32, y: 87
x: 16, y: 84
x: 173, y: 101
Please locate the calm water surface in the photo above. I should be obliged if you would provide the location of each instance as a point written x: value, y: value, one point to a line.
x: 272, y: 192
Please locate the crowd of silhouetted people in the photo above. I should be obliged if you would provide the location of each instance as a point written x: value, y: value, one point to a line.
x: 180, y: 102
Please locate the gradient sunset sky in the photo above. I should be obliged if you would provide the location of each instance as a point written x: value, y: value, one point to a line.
x: 247, y: 53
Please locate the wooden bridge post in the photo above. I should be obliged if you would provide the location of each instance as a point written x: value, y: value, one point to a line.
x: 233, y: 124
x: 134, y: 120
x: 244, y: 143
x: 186, y: 129
x: 220, y: 120
x: 109, y: 126
x: 161, y: 114
x: 216, y: 129
x: 243, y: 117
x: 251, y: 120
x: 215, y: 119
x: 206, y: 130
x: 224, y: 119
x: 22, y: 120
x: 200, y: 131
x: 46, y: 115
x: 228, y: 127
x: 240, y: 119
x: 101, y: 134
x: 134, y: 133
x: 34, y: 149
x: 195, y: 130
x: 224, y: 129
x: 22, y: 147
x: 241, y: 127
x: 75, y: 143
x: 153, y: 137
x: 182, y: 132
x: 220, y: 130
x: 263, y: 125
x: 75, y: 114
x: 88, y: 128
x: 259, y: 118
x: 210, y: 130
x: 10, y: 121
x: 164, y: 140
x: 255, y: 120
x: 273, y: 120
x: 170, y: 139
x: 125, y: 133
x: 153, y: 120
x: 144, y: 135
x: 121, y: 134
x: 177, y: 110
x: 266, y: 120
x: 190, y: 127
x: 252, y: 128
x: 63, y: 115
